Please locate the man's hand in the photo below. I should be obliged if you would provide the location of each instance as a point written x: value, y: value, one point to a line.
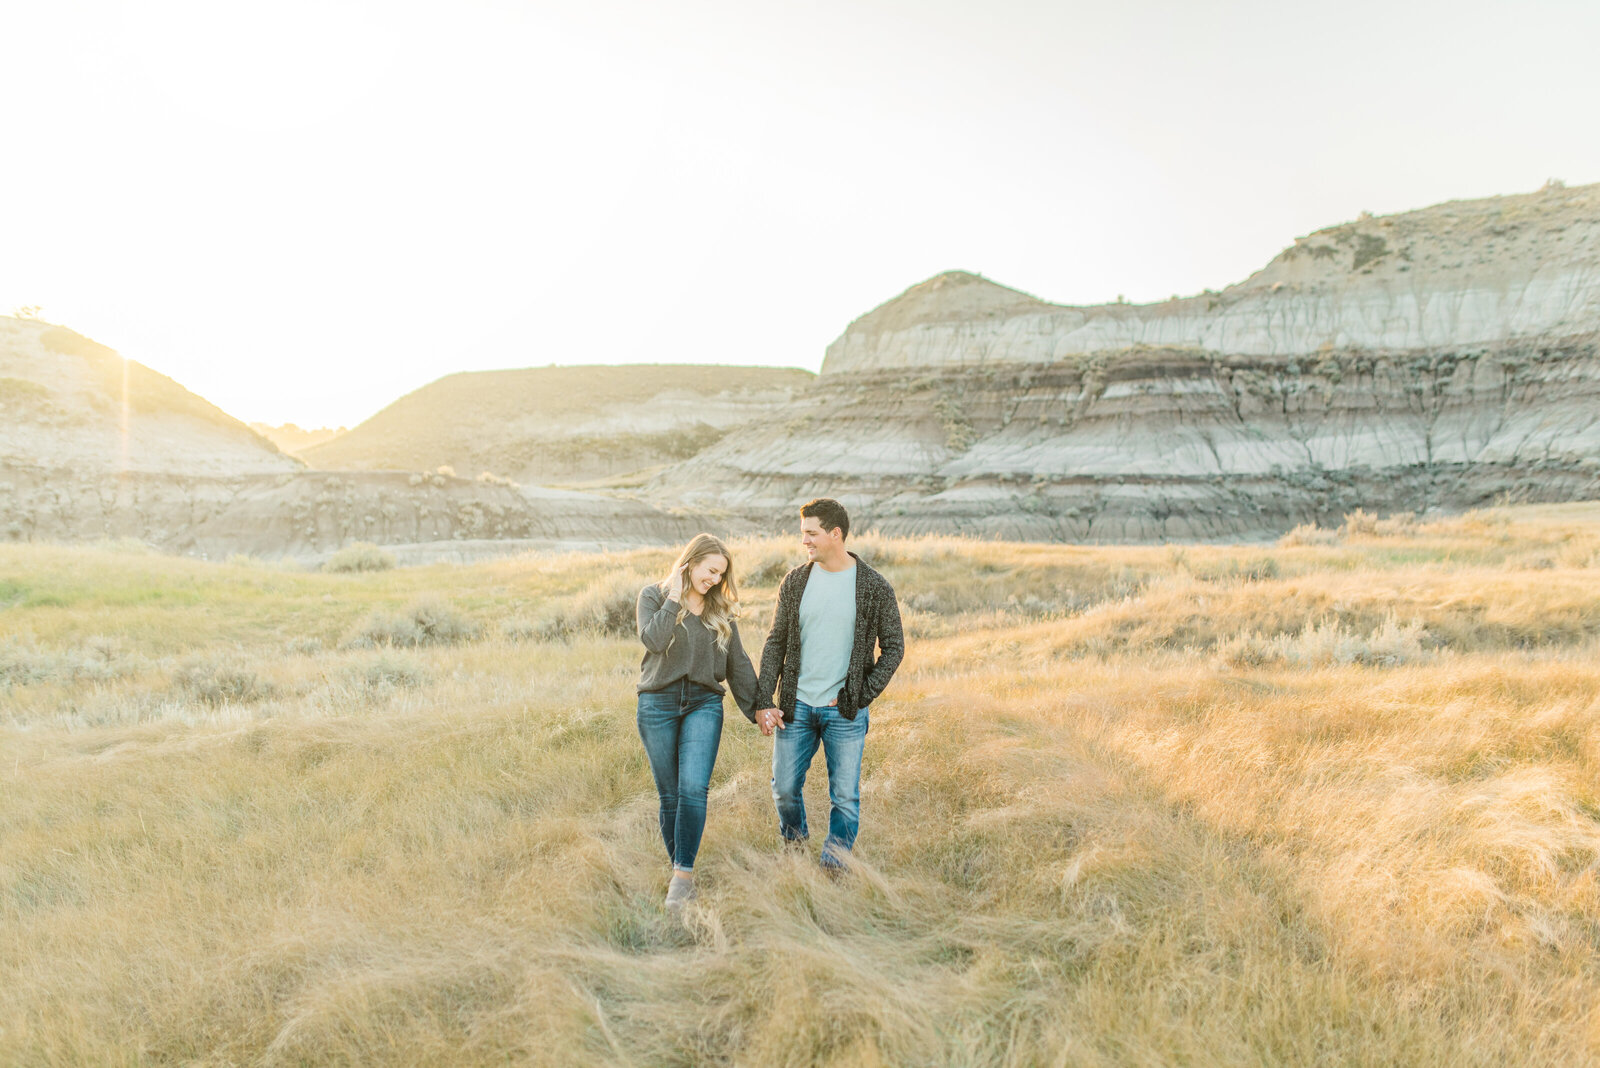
x: 769, y: 719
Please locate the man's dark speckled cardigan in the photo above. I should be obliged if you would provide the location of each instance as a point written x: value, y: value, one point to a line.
x: 878, y: 649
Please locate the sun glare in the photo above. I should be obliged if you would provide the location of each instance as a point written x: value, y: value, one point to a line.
x: 123, y: 466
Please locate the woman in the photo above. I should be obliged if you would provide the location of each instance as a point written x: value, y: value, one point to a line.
x: 691, y: 645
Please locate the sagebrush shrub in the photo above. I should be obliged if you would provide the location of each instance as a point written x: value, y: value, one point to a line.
x: 96, y: 659
x: 607, y: 606
x: 1401, y: 524
x: 360, y: 556
x: 1359, y: 521
x: 1329, y: 642
x: 766, y: 569
x: 1309, y: 534
x: 1258, y: 569
x: 426, y: 622
x: 218, y: 683
x: 389, y: 671
x: 489, y: 478
x: 519, y: 629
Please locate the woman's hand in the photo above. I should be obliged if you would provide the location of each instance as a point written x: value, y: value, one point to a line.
x: 769, y: 719
x: 675, y: 587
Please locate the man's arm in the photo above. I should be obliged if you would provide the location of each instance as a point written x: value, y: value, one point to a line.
x: 772, y: 653
x: 891, y: 646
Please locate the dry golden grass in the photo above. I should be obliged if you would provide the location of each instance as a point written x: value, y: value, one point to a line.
x: 1331, y: 802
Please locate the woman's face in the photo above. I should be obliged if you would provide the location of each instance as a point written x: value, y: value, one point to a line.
x: 706, y: 573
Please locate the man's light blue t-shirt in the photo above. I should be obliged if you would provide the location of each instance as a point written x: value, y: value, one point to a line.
x: 827, y: 632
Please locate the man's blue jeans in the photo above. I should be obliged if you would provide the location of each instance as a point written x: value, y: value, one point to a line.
x: 842, y: 741
x: 681, y: 727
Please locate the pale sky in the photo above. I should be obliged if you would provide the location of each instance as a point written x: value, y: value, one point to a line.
x: 302, y: 210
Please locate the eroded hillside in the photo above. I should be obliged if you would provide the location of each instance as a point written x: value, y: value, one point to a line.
x: 1440, y: 359
x: 1474, y: 272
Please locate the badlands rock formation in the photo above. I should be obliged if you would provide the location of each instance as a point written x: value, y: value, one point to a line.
x: 1435, y: 360
x: 1464, y: 273
x: 92, y: 447
x: 1439, y: 359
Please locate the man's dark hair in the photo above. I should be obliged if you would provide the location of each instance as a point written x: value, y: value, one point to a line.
x: 829, y: 512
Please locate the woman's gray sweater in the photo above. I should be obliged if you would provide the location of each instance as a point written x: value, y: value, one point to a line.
x: 674, y: 651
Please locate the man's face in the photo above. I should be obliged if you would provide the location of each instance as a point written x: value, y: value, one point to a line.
x: 818, y: 542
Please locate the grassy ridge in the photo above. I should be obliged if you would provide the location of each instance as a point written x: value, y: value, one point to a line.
x: 531, y: 421
x: 1311, y: 804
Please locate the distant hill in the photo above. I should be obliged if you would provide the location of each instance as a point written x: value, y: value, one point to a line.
x: 561, y: 424
x: 94, y: 446
x: 67, y: 402
x: 291, y: 438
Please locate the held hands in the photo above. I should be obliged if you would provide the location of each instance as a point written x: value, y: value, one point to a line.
x: 769, y: 719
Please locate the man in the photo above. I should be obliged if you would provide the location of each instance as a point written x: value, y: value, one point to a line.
x: 835, y: 642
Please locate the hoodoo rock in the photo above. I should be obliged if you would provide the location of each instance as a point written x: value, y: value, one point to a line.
x: 1439, y: 359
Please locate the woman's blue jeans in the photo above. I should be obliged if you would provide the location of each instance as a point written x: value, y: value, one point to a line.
x: 842, y: 741
x: 681, y: 727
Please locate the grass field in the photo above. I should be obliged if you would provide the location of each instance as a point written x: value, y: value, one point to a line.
x: 1331, y: 802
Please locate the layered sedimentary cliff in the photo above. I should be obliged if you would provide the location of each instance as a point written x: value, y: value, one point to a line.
x: 1440, y: 359
x: 309, y: 514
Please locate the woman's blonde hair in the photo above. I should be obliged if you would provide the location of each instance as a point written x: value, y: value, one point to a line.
x: 722, y: 600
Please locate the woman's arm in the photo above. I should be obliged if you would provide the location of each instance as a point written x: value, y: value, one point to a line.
x: 658, y: 617
x: 741, y: 676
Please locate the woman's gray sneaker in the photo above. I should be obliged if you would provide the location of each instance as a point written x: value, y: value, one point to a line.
x: 678, y: 892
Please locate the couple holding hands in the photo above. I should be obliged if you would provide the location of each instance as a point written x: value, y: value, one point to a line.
x: 835, y: 642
